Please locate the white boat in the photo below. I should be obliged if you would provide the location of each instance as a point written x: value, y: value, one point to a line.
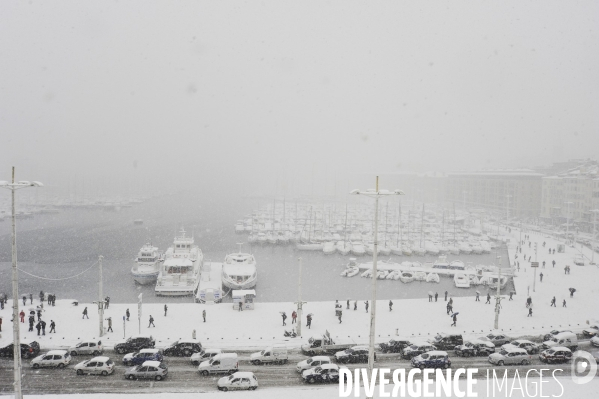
x: 420, y: 276
x: 367, y: 273
x: 382, y: 274
x: 282, y: 238
x: 343, y: 247
x: 329, y: 248
x: 432, y: 278
x: 393, y: 275
x: 180, y: 271
x: 239, y: 271
x: 486, y: 247
x: 261, y: 239
x: 239, y: 227
x: 431, y: 248
x: 418, y: 251
x: 407, y: 251
x: 473, y: 279
x: 461, y: 280
x: 147, y: 265
x: 465, y: 248
x: 396, y: 250
x: 406, y: 277
x: 271, y: 237
x: 477, y: 248
x: 492, y: 281
x: 309, y: 246
x: 252, y: 238
x: 357, y: 248
x: 384, y: 250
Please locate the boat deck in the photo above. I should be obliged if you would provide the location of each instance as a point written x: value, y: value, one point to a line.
x: 441, y: 272
x: 210, y: 279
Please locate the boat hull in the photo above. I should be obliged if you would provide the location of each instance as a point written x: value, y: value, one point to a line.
x: 246, y: 285
x: 144, y: 278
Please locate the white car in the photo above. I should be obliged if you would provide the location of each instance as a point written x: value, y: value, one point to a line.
x: 98, y: 365
x: 511, y: 355
x: 238, y: 381
x: 56, y: 358
x: 312, y: 362
x: 595, y: 340
x: 87, y: 348
x: 205, y: 354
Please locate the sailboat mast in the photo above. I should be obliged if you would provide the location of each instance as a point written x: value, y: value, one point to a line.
x: 421, y: 225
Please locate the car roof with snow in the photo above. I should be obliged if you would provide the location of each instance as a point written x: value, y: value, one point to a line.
x: 559, y: 348
x: 320, y: 358
x: 436, y: 353
x: 151, y: 363
x: 149, y: 350
x: 243, y: 374
x: 61, y: 352
x: 513, y: 348
x: 329, y: 366
x: 100, y: 359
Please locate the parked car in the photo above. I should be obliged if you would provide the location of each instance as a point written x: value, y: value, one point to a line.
x: 183, y: 348
x: 97, y: 365
x: 475, y: 347
x: 238, y: 381
x: 432, y: 359
x: 510, y: 356
x: 567, y: 339
x: 142, y: 356
x: 496, y: 339
x: 552, y: 333
x: 595, y: 340
x: 205, y: 354
x: 312, y: 362
x: 150, y: 369
x: 324, y: 373
x: 394, y: 346
x: 416, y: 349
x: 55, y: 358
x: 591, y: 331
x: 529, y: 346
x: 28, y: 351
x: 224, y: 363
x: 87, y: 348
x: 272, y: 354
x: 356, y: 354
x: 134, y: 343
x: 557, y: 354
x: 447, y: 341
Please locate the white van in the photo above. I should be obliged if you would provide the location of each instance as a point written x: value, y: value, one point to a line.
x: 226, y: 363
x: 567, y: 339
x: 272, y: 354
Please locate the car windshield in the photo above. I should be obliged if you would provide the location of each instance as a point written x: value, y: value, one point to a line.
x: 468, y: 344
x: 491, y: 336
x: 348, y: 351
x: 109, y: 362
x: 424, y: 356
x: 162, y: 366
x: 438, y: 337
x: 173, y: 344
x: 318, y: 369
x: 550, y: 352
x: 503, y: 353
x: 309, y: 360
x: 413, y: 347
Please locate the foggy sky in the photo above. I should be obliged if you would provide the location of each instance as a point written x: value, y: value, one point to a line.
x: 276, y: 93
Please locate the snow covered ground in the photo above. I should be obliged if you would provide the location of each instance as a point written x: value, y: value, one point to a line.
x: 228, y: 328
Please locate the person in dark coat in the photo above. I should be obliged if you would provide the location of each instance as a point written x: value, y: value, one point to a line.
x: 42, y: 295
x: 31, y: 298
x: 38, y: 327
x: 564, y: 304
x: 477, y: 297
x: 293, y: 317
x: 43, y: 323
x: 348, y: 304
x: 366, y: 304
x: 308, y: 321
x: 541, y: 277
x: 356, y: 304
x: 24, y: 300
x: 445, y: 296
x: 553, y: 262
x: 109, y: 324
x: 127, y: 314
x: 339, y: 317
x: 511, y: 294
x: 390, y: 305
x: 52, y: 327
x: 31, y: 321
x: 284, y: 316
x: 0, y: 324
x: 529, y: 312
x: 553, y: 303
x: 488, y: 299
x: 165, y: 309
x: 151, y: 322
x: 436, y: 296
x: 204, y: 315
x: 39, y: 314
x: 106, y: 302
x: 448, y: 307
x: 430, y: 297
x: 455, y: 319
x: 85, y: 313
x: 240, y: 307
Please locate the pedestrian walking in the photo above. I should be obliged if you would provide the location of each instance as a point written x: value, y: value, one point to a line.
x: 52, y: 327
x: 165, y: 309
x: 22, y: 315
x: 293, y: 317
x: 511, y: 294
x: 543, y: 244
x: 455, y: 319
x: 284, y: 316
x: 348, y: 304
x: 151, y: 322
x: 477, y: 297
x: 436, y: 296
x: 430, y: 297
x: 488, y: 299
x: 31, y: 321
x: 204, y: 315
x: 572, y: 291
x: 24, y: 300
x: 39, y: 314
x: 528, y: 302
x: 553, y: 303
x: 366, y: 304
x: 448, y: 307
x: 31, y: 298
x: 127, y: 314
x: 43, y: 327
x: 445, y: 296
x: 553, y: 251
x: 541, y: 276
x: 38, y: 327
x: 339, y: 316
x: 240, y: 307
x: 565, y: 269
x: 42, y: 296
x: 356, y: 304
x: 309, y: 320
x: 106, y: 302
x: 85, y: 313
x: 553, y: 262
x: 518, y: 265
x: 529, y: 312
x: 0, y: 323
x: 109, y: 324
x: 543, y: 264
x: 390, y: 305
x: 564, y: 304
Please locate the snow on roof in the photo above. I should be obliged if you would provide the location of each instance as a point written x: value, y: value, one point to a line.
x: 240, y: 293
x: 151, y: 363
x: 239, y: 270
x: 178, y: 262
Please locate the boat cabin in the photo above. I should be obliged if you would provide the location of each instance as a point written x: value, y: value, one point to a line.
x: 246, y: 297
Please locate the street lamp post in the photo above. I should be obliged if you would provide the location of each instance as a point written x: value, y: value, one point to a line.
x: 12, y: 186
x: 594, y: 212
x: 567, y: 222
x: 376, y: 194
x: 498, y: 296
x: 299, y: 300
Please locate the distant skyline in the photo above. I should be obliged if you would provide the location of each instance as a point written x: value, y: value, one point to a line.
x: 230, y: 96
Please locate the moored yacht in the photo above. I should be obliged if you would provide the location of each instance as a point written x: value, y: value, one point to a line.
x: 180, y: 271
x: 239, y: 271
x: 147, y: 265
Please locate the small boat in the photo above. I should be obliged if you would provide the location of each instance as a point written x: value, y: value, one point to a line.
x: 252, y: 238
x: 384, y: 250
x: 329, y: 248
x: 477, y: 248
x: 261, y: 239
x: 393, y: 274
x: 465, y: 248
x: 473, y: 279
x: 432, y: 278
x: 357, y: 248
x: 271, y: 237
x: 406, y: 277
x: 420, y: 276
x: 307, y: 246
x: 396, y: 250
x: 493, y: 282
x: 461, y: 280
x: 431, y: 248
x: 367, y: 273
x: 407, y: 251
x: 419, y: 251
x: 353, y: 271
x: 343, y: 247
x: 138, y: 221
x: 282, y: 238
x: 382, y: 274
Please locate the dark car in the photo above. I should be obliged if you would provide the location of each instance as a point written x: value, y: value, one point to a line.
x: 183, y: 348
x: 134, y: 344
x: 143, y: 355
x: 357, y: 354
x: 416, y: 349
x: 475, y: 348
x: 394, y: 346
x: 447, y: 341
x: 432, y: 359
x: 28, y: 351
x: 324, y: 373
x: 557, y: 354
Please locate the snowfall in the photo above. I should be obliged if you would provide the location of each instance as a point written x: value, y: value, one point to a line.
x: 230, y: 329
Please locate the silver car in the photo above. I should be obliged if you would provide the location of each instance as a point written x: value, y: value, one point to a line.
x: 150, y: 369
x: 55, y: 358
x: 87, y: 348
x: 511, y: 355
